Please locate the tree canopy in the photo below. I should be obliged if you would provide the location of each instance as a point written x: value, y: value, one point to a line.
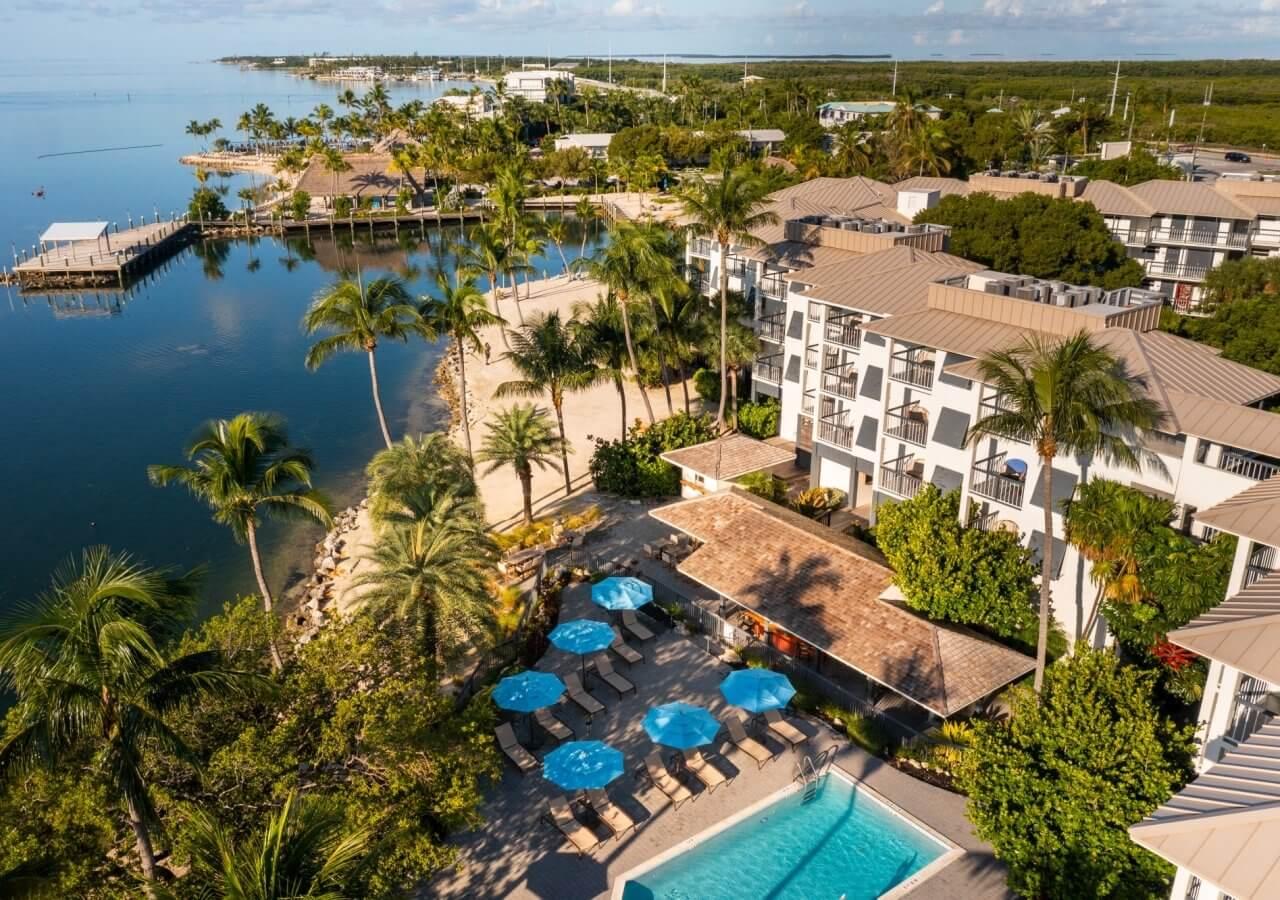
x: 1135, y: 167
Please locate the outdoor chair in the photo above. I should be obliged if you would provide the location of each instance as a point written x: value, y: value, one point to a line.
x: 625, y: 651
x: 578, y: 694
x: 700, y: 767
x: 552, y: 726
x: 665, y: 781
x: 560, y: 814
x: 633, y: 626
x: 784, y: 729
x: 522, y: 758
x: 748, y: 745
x: 613, y: 816
x: 604, y: 669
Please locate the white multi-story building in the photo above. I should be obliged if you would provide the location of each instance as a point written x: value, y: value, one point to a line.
x: 1222, y: 830
x: 870, y: 337
x: 478, y: 105
x: 539, y: 85
x: 594, y: 144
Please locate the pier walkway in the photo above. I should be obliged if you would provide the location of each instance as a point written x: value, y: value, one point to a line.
x: 109, y: 260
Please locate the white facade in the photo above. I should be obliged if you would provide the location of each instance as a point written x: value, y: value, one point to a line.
x: 596, y: 145
x: 481, y: 105
x: 539, y: 85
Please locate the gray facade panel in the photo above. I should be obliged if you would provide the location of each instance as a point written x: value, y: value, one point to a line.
x: 951, y: 428
x: 874, y: 339
x: 867, y: 431
x: 1064, y: 485
x: 764, y: 389
x: 1036, y: 542
x: 945, y: 479
x: 951, y: 359
x: 870, y: 381
x: 795, y: 325
x: 793, y: 369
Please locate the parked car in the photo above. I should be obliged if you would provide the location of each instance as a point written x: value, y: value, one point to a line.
x: 1236, y: 156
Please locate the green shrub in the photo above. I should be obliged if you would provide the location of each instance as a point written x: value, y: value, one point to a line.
x: 761, y: 419
x: 633, y: 467
x: 206, y: 204
x: 299, y: 204
x: 863, y: 731
x: 342, y: 207
x: 763, y: 484
x: 816, y: 502
x: 707, y: 383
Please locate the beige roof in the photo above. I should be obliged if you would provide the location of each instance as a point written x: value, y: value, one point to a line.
x: 1194, y: 368
x: 729, y: 457
x: 1188, y: 198
x: 1261, y: 206
x: 370, y: 173
x: 799, y: 255
x: 1242, y: 631
x: 840, y: 194
x: 1244, y: 427
x: 825, y: 588
x: 889, y: 282
x: 944, y: 186
x: 1253, y: 513
x: 950, y: 331
x: 1115, y: 200
x: 1225, y: 825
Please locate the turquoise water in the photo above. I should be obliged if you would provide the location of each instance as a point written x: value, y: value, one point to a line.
x: 843, y: 843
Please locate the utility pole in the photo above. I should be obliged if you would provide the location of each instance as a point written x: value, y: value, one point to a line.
x: 893, y: 92
x: 1195, y: 148
x: 664, y: 73
x: 611, y: 62
x: 1115, y: 86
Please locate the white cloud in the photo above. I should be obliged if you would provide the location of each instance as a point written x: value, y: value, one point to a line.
x: 920, y: 39
x: 632, y: 8
x: 957, y: 37
x: 799, y: 10
x: 937, y: 7
x: 1003, y: 8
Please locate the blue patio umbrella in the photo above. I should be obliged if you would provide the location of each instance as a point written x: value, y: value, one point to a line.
x: 621, y: 593
x: 528, y: 691
x: 757, y: 690
x: 582, y: 636
x: 681, y: 725
x: 1016, y: 466
x: 582, y: 765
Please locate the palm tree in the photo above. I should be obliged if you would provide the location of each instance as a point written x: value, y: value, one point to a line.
x: 741, y: 347
x: 359, y: 318
x: 598, y: 331
x: 429, y: 464
x: 585, y: 212
x: 521, y: 437
x: 1065, y: 396
x: 459, y: 312
x: 923, y: 149
x: 558, y: 231
x: 334, y: 163
x: 729, y: 209
x: 242, y: 468
x: 305, y: 849
x: 550, y: 361
x: 436, y: 567
x: 679, y: 320
x: 88, y: 663
x: 486, y: 254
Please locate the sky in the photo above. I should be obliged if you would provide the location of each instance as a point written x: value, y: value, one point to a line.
x: 909, y: 29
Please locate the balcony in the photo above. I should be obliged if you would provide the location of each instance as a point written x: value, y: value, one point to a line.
x: 980, y: 517
x: 1262, y: 562
x: 834, y: 430
x: 1265, y: 237
x: 773, y: 327
x: 903, y: 476
x: 914, y: 367
x: 908, y: 422
x: 844, y: 330
x: 1179, y: 271
x: 773, y: 285
x: 1247, y: 465
x: 1000, y: 479
x: 811, y: 356
x: 814, y: 312
x: 804, y: 432
x: 1134, y: 237
x: 1249, y: 709
x: 1198, y: 237
x: 841, y: 380
x: 769, y: 368
x: 994, y: 404
x: 702, y: 247
x: 737, y: 267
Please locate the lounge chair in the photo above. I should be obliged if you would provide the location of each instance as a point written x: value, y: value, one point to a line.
x: 665, y: 781
x: 523, y: 759
x: 552, y: 726
x: 784, y: 729
x: 701, y: 768
x: 748, y: 745
x: 578, y: 694
x: 613, y: 816
x: 633, y: 626
x: 584, y: 840
x: 604, y: 669
x: 625, y: 651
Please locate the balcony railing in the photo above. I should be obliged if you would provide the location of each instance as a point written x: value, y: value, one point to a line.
x: 774, y: 286
x: 902, y: 476
x: 912, y: 368
x: 1265, y: 237
x: 1262, y: 562
x: 992, y: 404
x: 841, y: 381
x: 814, y: 311
x: 833, y: 430
x: 909, y: 423
x: 811, y: 357
x: 773, y: 327
x: 845, y: 331
x: 1134, y: 236
x: 808, y: 403
x: 737, y: 267
x: 1184, y: 271
x: 804, y: 432
x: 702, y: 247
x: 769, y: 368
x: 991, y: 479
x: 1198, y: 237
x: 1248, y: 709
x: 982, y: 521
x: 1247, y: 466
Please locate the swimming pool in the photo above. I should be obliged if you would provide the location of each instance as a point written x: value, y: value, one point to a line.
x: 841, y: 843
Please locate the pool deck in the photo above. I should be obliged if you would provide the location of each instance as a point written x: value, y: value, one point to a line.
x: 517, y: 855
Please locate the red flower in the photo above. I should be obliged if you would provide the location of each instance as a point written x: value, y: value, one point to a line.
x: 1172, y: 655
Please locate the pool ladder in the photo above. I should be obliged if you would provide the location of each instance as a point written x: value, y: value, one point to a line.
x: 809, y: 772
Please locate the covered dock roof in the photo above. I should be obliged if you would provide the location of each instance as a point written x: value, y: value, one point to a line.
x: 63, y: 232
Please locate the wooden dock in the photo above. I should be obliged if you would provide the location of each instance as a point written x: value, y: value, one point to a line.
x: 124, y: 256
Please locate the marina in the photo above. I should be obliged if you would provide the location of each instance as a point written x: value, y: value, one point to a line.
x: 85, y: 254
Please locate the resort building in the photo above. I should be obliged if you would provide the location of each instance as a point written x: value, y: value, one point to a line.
x: 763, y: 140
x: 539, y: 85
x: 478, y: 105
x: 1222, y: 830
x: 837, y: 113
x: 870, y: 334
x: 596, y: 145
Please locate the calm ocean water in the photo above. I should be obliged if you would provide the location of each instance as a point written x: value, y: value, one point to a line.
x: 97, y: 386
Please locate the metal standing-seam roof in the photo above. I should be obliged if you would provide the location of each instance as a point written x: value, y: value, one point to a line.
x: 890, y: 282
x: 1113, y: 199
x: 944, y: 186
x: 1225, y: 825
x: 729, y: 457
x: 825, y: 588
x: 1242, y: 631
x: 950, y: 331
x: 1253, y: 513
x: 1188, y: 198
x: 62, y: 232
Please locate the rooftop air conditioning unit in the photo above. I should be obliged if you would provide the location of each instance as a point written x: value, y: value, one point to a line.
x: 997, y: 287
x: 1051, y: 178
x: 1026, y: 293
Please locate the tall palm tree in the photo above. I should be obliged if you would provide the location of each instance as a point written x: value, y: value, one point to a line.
x: 427, y: 465
x: 438, y: 568
x: 729, y: 210
x: 305, y: 849
x: 459, y: 312
x: 89, y: 664
x: 244, y: 468
x: 741, y: 347
x: 361, y: 316
x: 679, y: 319
x: 598, y: 331
x: 521, y: 437
x: 585, y: 212
x: 923, y: 150
x: 558, y: 231
x: 486, y: 254
x: 628, y: 265
x: 334, y: 163
x: 1065, y: 396
x: 549, y: 361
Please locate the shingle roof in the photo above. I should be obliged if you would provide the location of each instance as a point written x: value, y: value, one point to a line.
x: 1116, y: 200
x: 729, y: 457
x: 825, y: 588
x: 1253, y: 513
x: 1242, y: 631
x: 370, y: 173
x: 1188, y: 198
x: 1225, y: 825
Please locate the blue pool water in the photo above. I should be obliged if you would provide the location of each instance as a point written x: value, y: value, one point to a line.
x: 841, y: 843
